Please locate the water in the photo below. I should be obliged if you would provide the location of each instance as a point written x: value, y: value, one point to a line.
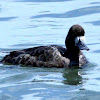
x: 29, y: 23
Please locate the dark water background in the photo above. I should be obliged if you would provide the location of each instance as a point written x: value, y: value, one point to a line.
x: 29, y: 23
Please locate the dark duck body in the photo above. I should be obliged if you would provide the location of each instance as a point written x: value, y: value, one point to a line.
x: 53, y: 55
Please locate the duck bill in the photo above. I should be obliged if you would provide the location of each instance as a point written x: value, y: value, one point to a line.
x: 82, y: 46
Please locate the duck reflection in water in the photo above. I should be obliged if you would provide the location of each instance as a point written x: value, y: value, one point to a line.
x: 72, y: 77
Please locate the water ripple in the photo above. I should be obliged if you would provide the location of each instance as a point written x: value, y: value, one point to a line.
x: 95, y: 3
x: 73, y: 13
x: 94, y: 22
x: 6, y: 18
x: 93, y: 44
x: 96, y: 51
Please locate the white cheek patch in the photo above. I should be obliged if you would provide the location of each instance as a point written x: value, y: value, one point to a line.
x: 80, y: 38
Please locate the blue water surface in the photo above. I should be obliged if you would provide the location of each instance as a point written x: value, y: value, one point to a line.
x: 30, y: 23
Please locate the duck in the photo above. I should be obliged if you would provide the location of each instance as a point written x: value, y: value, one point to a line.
x: 70, y: 56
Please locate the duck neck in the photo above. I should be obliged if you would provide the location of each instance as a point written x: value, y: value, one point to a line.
x: 73, y: 55
x: 72, y: 51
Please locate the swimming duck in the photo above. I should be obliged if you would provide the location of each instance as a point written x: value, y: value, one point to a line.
x: 53, y: 55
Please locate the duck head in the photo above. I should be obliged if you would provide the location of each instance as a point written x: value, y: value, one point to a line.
x: 76, y: 38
